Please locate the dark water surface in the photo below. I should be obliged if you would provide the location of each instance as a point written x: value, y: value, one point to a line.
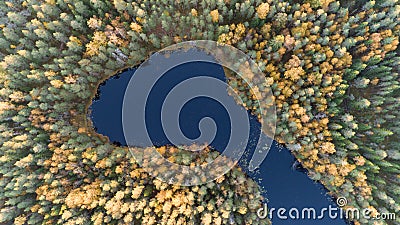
x: 285, y: 185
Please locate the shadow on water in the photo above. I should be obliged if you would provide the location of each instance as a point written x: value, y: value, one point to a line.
x: 285, y: 183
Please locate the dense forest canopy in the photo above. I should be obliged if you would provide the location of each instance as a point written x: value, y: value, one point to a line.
x: 333, y: 69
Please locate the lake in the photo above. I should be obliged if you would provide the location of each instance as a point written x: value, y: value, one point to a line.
x: 285, y: 183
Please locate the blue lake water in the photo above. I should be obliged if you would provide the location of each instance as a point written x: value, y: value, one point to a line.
x: 285, y: 185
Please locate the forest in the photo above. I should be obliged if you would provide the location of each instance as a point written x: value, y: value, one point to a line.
x: 333, y: 67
